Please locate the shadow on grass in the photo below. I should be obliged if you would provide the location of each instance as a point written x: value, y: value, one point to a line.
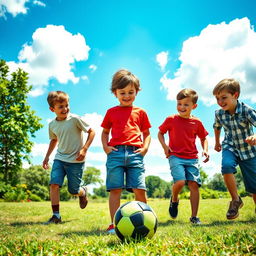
x: 230, y: 222
x: 21, y: 224
x: 170, y: 222
x: 96, y: 232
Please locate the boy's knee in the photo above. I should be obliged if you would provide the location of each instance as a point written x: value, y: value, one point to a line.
x: 193, y: 185
x: 179, y: 183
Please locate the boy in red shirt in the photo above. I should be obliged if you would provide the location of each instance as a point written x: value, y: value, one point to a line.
x: 130, y: 139
x: 183, y: 128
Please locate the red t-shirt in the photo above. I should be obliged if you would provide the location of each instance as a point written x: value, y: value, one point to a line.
x: 126, y: 124
x: 182, y: 135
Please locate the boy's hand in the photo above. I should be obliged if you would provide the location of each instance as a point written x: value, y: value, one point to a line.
x: 217, y: 147
x: 206, y: 155
x: 142, y: 151
x: 109, y: 149
x: 45, y: 163
x: 251, y: 140
x: 81, y: 155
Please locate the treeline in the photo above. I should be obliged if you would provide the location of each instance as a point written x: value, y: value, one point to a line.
x: 33, y: 185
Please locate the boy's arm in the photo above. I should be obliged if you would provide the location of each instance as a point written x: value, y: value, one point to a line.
x: 217, y: 146
x: 51, y: 147
x: 146, y: 142
x: 83, y: 150
x: 104, y: 140
x: 166, y: 148
x: 251, y: 140
x: 204, y: 143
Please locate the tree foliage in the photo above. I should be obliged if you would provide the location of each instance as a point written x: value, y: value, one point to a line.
x: 17, y: 123
x: 91, y: 176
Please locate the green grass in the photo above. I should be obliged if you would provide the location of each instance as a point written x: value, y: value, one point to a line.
x: 82, y: 232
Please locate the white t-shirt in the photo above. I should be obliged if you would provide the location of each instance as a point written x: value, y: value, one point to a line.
x: 69, y: 133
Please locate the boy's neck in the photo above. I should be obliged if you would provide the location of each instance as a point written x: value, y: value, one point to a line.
x: 233, y: 110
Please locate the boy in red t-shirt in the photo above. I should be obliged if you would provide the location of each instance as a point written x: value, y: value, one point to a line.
x: 183, y: 129
x: 126, y: 148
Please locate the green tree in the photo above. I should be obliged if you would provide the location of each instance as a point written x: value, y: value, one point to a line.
x: 17, y: 123
x: 217, y: 183
x: 101, y: 191
x: 92, y: 176
x: 37, y: 180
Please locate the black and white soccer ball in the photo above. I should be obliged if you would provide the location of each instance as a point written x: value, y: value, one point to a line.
x: 135, y: 220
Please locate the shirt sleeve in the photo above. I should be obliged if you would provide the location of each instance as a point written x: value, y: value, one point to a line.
x: 106, y: 123
x: 145, y: 122
x: 164, y: 127
x: 82, y: 125
x: 52, y: 136
x: 251, y: 115
x: 202, y: 133
x: 217, y: 125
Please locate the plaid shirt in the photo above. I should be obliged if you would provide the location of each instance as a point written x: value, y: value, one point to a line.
x: 237, y: 128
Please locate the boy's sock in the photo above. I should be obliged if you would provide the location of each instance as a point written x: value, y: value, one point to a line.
x: 56, y: 210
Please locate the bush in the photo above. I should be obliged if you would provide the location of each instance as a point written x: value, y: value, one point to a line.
x: 19, y: 193
x: 35, y: 198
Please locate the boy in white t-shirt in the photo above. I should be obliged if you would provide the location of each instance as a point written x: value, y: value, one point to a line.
x: 66, y: 130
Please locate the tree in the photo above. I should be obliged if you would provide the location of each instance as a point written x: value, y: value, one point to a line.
x: 92, y: 176
x: 217, y: 183
x: 18, y: 123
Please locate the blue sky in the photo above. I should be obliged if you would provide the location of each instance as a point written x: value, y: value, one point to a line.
x: 76, y: 46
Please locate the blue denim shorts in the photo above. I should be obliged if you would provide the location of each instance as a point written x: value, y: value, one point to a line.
x: 125, y: 169
x: 74, y: 172
x: 184, y: 169
x: 248, y: 169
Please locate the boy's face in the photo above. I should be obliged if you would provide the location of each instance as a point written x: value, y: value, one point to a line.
x: 185, y: 107
x: 61, y: 110
x: 126, y: 96
x: 227, y: 101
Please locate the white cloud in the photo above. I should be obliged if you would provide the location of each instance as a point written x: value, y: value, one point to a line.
x: 220, y: 51
x: 51, y: 55
x: 39, y: 3
x: 93, y: 67
x: 15, y: 7
x: 95, y: 120
x: 162, y: 59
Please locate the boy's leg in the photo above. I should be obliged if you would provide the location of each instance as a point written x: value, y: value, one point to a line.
x: 114, y: 202
x: 230, y: 182
x: 57, y: 177
x: 176, y: 189
x: 229, y: 163
x: 75, y: 182
x: 140, y: 195
x: 194, y: 197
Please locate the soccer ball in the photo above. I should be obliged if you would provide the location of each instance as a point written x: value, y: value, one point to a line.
x: 135, y: 220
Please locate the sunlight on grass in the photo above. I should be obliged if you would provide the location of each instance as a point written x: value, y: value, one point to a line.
x: 82, y: 232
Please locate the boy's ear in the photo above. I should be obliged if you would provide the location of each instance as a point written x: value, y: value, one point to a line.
x: 195, y: 106
x: 52, y: 109
x: 236, y: 95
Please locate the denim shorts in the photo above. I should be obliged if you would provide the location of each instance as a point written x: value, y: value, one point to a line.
x: 248, y: 169
x: 125, y: 169
x: 184, y: 169
x: 74, y: 172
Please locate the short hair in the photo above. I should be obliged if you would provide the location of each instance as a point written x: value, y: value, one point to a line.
x: 122, y: 78
x: 57, y: 97
x: 187, y: 93
x: 229, y: 84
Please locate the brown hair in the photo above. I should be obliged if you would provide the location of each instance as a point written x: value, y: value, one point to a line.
x: 122, y: 78
x: 56, y: 96
x: 229, y: 84
x: 187, y: 93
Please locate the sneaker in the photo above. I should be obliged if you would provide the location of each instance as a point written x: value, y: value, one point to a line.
x: 111, y: 229
x: 83, y: 199
x: 234, y: 206
x: 195, y: 220
x: 53, y: 220
x: 173, y: 209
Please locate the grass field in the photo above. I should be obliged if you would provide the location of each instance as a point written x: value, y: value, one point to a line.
x: 82, y: 232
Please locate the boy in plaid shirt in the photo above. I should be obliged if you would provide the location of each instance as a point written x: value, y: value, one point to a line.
x: 239, y: 144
